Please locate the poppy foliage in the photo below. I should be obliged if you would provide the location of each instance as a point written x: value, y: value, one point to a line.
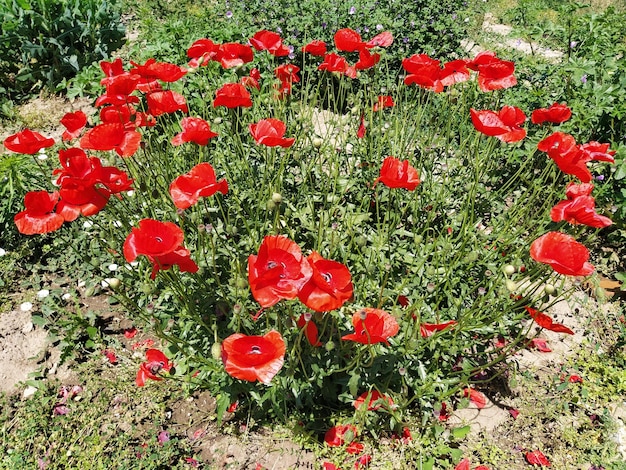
x: 564, y: 254
x: 253, y: 358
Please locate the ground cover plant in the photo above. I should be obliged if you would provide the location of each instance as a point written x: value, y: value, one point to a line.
x: 301, y: 262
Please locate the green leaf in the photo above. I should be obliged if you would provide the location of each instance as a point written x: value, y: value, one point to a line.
x: 460, y: 433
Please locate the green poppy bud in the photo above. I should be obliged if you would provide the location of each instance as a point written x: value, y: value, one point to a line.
x: 549, y: 289
x: 277, y: 198
x: 216, y: 351
x: 509, y: 269
x: 317, y: 142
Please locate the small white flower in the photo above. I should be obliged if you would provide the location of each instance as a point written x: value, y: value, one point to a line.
x: 26, y: 306
x: 87, y: 224
x: 66, y: 296
x: 81, y: 284
x: 2, y: 252
x: 130, y: 193
x: 43, y: 293
x: 117, y: 224
x: 113, y: 267
x: 42, y: 155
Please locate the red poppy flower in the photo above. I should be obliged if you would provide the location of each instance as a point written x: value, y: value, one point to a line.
x: 544, y: 321
x: 232, y: 54
x: 288, y: 75
x: 536, y: 457
x: 363, y: 461
x: 423, y: 71
x: 496, y: 75
x: 367, y: 60
x: 199, y: 182
x: 375, y: 400
x: 110, y: 136
x: 338, y: 435
x: 113, y: 68
x: 278, y: 271
x: 153, y: 70
x: 38, y: 216
x: 310, y: 327
x: 334, y: 63
x: 396, y: 173
x: 165, y: 102
x: 567, y: 155
x: 463, y: 465
x: 579, y: 208
x: 330, y: 285
x: 252, y: 80
x: 155, y: 362
x: 372, y: 326
x: 384, y: 101
x: 384, y: 39
x: 428, y: 329
x: 253, y: 358
x: 201, y: 52
x: 595, y: 151
x: 78, y: 199
x: 119, y: 89
x: 540, y: 344
x: 110, y: 355
x: 503, y: 125
x: 315, y: 47
x: 556, y: 114
x: 195, y: 130
x: 477, y: 398
x: 270, y: 132
x: 232, y: 95
x: 453, y: 72
x: 348, y: 40
x: 563, y: 253
x: 27, y: 142
x: 161, y: 243
x: 74, y: 124
x: 575, y: 379
x: 362, y: 130
x: 269, y: 41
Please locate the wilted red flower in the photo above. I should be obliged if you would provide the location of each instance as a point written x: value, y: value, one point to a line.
x: 536, y: 457
x: 110, y: 355
x: 130, y: 333
x: 201, y: 52
x: 443, y: 414
x: 165, y: 102
x: 396, y: 173
x: 74, y: 124
x: 338, y: 435
x: 362, y: 130
x: 367, y: 60
x: 195, y: 130
x: 270, y: 132
x: 372, y: 326
x: 270, y: 41
x: 251, y: 80
x: 330, y: 285
x: 253, y: 358
x: 503, y: 125
x: 375, y: 400
x: 568, y: 156
x: 428, y: 329
x: 232, y: 95
x: 556, y: 114
x: 161, y: 243
x: 27, y: 142
x: 575, y: 379
x: 579, y: 208
x: 563, y: 253
x: 540, y: 344
x: 544, y: 321
x: 278, y: 271
x: 38, y: 216
x: 232, y: 54
x: 199, y: 182
x: 477, y: 398
x: 315, y: 47
x: 155, y: 362
x: 384, y: 101
x: 310, y: 329
x: 363, y: 461
x: 384, y: 39
x: 348, y: 40
x: 111, y: 136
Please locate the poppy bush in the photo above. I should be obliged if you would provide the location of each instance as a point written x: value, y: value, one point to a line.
x: 294, y: 259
